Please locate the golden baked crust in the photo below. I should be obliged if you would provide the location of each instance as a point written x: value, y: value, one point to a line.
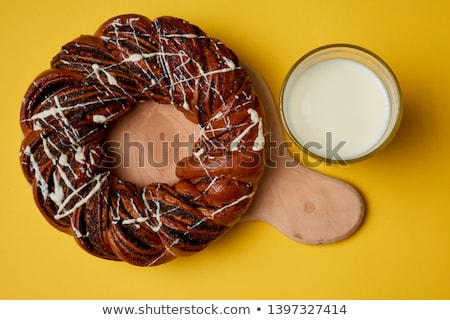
x: 96, y: 79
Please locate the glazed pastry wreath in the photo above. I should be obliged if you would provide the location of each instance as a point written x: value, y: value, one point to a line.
x: 97, y: 79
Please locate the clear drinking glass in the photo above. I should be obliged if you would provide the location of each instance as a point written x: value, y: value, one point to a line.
x: 333, y: 92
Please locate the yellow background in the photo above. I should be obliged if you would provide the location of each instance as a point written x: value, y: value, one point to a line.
x: 402, y: 250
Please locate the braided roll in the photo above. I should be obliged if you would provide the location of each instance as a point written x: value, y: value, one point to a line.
x: 96, y: 79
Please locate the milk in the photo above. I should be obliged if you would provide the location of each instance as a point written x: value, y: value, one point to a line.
x: 336, y: 108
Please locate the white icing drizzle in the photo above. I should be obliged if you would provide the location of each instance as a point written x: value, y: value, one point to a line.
x: 67, y: 130
x: 47, y: 150
x: 213, y: 131
x: 172, y: 244
x: 63, y: 162
x: 157, y: 216
x: 79, y: 155
x: 77, y: 232
x: 247, y: 196
x: 115, y: 213
x: 56, y: 112
x: 255, y: 120
x: 63, y: 159
x: 98, y: 179
x: 112, y: 81
x: 37, y: 126
x: 37, y: 173
x: 98, y: 118
x: 182, y: 35
x: 59, y: 110
x: 50, y: 142
x: 153, y: 214
x: 259, y: 142
x: 198, y: 153
x: 163, y: 253
x: 213, y: 214
x: 65, y: 178
x: 144, y: 199
x: 57, y: 196
x: 217, y: 116
x: 136, y: 57
x: 135, y: 220
x: 211, y: 184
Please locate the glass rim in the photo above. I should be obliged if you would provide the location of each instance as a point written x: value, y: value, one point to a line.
x: 396, y: 106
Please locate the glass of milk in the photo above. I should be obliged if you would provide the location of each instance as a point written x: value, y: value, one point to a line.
x: 341, y: 103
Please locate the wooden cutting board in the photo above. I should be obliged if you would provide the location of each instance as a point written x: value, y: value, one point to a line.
x: 303, y: 204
